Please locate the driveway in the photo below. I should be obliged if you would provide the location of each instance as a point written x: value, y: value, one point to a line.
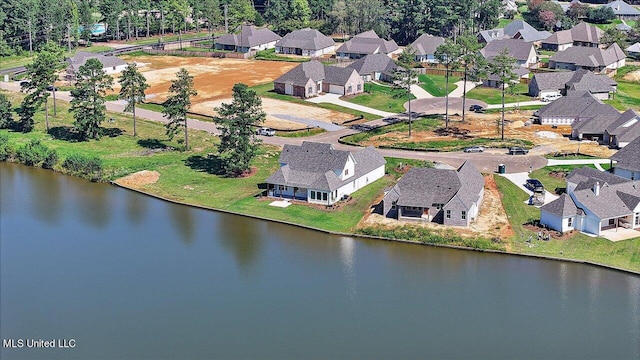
x: 516, y: 104
x: 437, y: 105
x: 420, y: 93
x: 519, y: 179
x: 335, y: 99
x: 460, y: 88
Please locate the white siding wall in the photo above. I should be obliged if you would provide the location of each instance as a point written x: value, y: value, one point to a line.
x: 361, y: 182
x: 115, y: 70
x: 551, y: 220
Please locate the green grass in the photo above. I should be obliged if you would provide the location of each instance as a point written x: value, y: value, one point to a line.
x: 266, y: 90
x: 159, y: 108
x: 623, y: 254
x: 8, y: 62
x: 627, y: 97
x: 271, y: 55
x: 552, y: 183
x: 625, y: 70
x: 435, y: 84
x: 381, y: 97
x: 494, y: 96
x: 301, y: 133
x: 424, y: 124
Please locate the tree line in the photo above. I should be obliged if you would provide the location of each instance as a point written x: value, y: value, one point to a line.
x: 28, y: 24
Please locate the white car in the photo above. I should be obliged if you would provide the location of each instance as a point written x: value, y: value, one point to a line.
x: 266, y: 131
x: 551, y: 97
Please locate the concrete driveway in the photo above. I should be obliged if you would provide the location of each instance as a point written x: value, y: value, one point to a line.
x: 519, y: 179
x: 335, y: 99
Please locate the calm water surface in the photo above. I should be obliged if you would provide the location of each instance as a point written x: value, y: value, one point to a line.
x: 128, y: 276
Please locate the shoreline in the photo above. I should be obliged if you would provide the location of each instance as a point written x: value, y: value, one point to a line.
x: 336, y: 233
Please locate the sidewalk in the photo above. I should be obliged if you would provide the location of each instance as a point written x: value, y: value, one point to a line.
x: 335, y: 99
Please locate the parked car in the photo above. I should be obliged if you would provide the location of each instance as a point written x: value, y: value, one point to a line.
x: 474, y: 149
x: 476, y: 108
x: 551, y: 97
x: 24, y: 83
x: 518, y: 151
x: 50, y: 88
x: 534, y: 185
x: 266, y: 131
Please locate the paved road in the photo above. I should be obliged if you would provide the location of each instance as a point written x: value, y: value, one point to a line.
x: 335, y: 99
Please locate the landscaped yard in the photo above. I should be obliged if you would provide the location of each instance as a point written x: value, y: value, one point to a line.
x: 627, y: 97
x: 435, y: 84
x: 9, y: 62
x: 494, y: 96
x: 381, y: 97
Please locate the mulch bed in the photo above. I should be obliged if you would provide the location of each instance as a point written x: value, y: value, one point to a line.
x: 546, y: 232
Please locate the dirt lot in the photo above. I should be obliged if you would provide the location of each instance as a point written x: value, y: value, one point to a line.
x: 214, y: 79
x: 632, y: 76
x: 486, y: 125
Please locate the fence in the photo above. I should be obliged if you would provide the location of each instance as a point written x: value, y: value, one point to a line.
x: 231, y: 55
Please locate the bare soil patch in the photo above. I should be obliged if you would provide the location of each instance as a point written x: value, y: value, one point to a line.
x: 139, y: 179
x: 632, y: 76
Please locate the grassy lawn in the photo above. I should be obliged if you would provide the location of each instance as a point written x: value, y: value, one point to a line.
x: 623, y: 254
x: 424, y: 124
x: 266, y: 90
x: 435, y: 84
x: 381, y: 97
x: 271, y: 55
x: 175, y: 37
x: 8, y: 62
x: 494, y: 96
x: 551, y: 183
x: 301, y: 133
x: 159, y: 108
x: 627, y: 97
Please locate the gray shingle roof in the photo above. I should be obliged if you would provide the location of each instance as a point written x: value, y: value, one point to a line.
x: 249, y: 36
x: 337, y: 75
x: 634, y: 48
x: 373, y: 63
x: 522, y: 30
x: 629, y: 156
x: 368, y: 43
x: 552, y: 80
x: 306, y: 39
x: 584, y: 32
x: 586, y: 80
x: 587, y: 176
x: 589, y: 56
x: 562, y: 206
x: 518, y: 48
x: 81, y: 57
x: 613, y: 200
x: 313, y: 165
x: 559, y: 38
x: 426, y: 44
x: 493, y: 34
x: 620, y: 7
x: 316, y: 71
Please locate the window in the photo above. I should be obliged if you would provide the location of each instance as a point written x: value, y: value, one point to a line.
x: 637, y: 221
x: 612, y: 221
x: 570, y: 222
x: 349, y: 89
x: 313, y: 195
x: 319, y: 87
x: 448, y: 214
x: 310, y: 89
x: 346, y: 172
x: 464, y: 215
x: 324, y: 196
x: 359, y: 87
x: 393, y: 206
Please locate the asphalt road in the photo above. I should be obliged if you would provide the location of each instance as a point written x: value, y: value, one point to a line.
x: 486, y: 162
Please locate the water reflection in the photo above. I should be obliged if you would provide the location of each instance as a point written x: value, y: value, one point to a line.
x: 241, y: 240
x: 8, y: 182
x: 94, y: 204
x: 348, y: 257
x: 563, y: 274
x: 45, y: 199
x: 633, y: 286
x: 136, y: 207
x: 183, y: 221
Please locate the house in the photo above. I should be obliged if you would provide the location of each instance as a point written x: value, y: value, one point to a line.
x: 623, y: 131
x: 250, y: 38
x: 374, y: 67
x: 595, y: 201
x: 364, y: 44
x: 312, y: 78
x: 561, y: 82
x: 623, y: 10
x: 517, y: 29
x: 579, y: 107
x: 425, y: 47
x: 509, y: 6
x: 524, y: 52
x: 319, y: 174
x: 566, y: 6
x: 448, y: 197
x: 590, y: 58
x: 582, y: 34
x: 110, y: 64
x: 494, y: 81
x: 634, y: 51
x: 627, y: 161
x: 305, y: 42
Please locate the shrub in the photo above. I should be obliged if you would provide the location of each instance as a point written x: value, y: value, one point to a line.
x: 37, y: 154
x: 87, y: 167
x: 6, y: 150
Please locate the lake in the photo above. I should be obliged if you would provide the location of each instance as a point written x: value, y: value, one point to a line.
x: 126, y: 276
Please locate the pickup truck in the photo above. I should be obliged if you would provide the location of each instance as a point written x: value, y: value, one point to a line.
x: 266, y: 131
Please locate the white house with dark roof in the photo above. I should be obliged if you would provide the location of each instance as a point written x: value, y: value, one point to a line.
x: 587, y: 115
x: 589, y: 58
x: 250, y: 38
x: 582, y: 34
x: 448, y: 197
x: 374, y: 67
x: 517, y: 29
x: 110, y: 64
x: 628, y: 161
x: 623, y: 131
x: 425, y: 47
x: 366, y: 43
x: 305, y: 42
x: 634, y: 50
x: 319, y: 174
x: 623, y: 10
x: 313, y: 78
x: 562, y: 82
x: 524, y: 52
x: 595, y: 201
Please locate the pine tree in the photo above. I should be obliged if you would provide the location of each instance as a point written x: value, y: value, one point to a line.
x: 133, y: 84
x: 502, y: 66
x: 469, y: 57
x: 448, y: 54
x: 87, y: 105
x: 178, y: 103
x: 404, y: 76
x: 238, y: 144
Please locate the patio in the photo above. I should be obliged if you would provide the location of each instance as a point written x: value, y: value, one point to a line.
x: 619, y: 234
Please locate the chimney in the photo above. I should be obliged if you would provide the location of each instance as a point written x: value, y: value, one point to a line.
x: 596, y: 188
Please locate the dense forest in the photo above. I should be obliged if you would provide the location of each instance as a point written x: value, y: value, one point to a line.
x: 27, y: 24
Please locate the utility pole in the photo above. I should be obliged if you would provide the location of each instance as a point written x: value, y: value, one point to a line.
x: 226, y: 19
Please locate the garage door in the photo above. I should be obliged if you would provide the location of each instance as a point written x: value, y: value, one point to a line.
x: 336, y: 89
x: 288, y: 89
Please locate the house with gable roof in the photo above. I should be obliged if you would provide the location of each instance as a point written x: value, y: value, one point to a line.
x: 366, y: 43
x: 628, y: 161
x: 562, y: 82
x: 582, y: 34
x: 623, y: 131
x: 623, y: 10
x: 305, y: 42
x: 313, y: 78
x: 110, y: 64
x: 425, y: 47
x: 448, y: 197
x: 319, y: 174
x: 524, y: 52
x: 634, y: 50
x: 589, y: 58
x: 374, y: 67
x: 250, y: 38
x: 595, y: 201
x: 578, y: 109
x: 517, y: 29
